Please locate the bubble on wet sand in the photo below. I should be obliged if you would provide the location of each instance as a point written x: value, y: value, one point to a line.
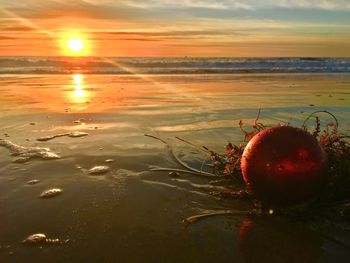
x: 31, y: 182
x: 97, y: 170
x: 75, y: 134
x: 51, y: 193
x: 35, y: 239
x: 24, y: 154
x: 41, y: 239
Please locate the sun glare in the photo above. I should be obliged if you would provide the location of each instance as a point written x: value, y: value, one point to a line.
x: 75, y: 45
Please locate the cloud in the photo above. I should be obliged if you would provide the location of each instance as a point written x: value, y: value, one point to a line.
x: 16, y: 28
x: 74, y: 8
x: 313, y: 4
x: 170, y: 10
x: 6, y: 37
x: 166, y: 19
x: 169, y: 33
x: 241, y: 4
x: 180, y: 4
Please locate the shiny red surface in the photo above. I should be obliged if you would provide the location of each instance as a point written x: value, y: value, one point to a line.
x: 284, y: 165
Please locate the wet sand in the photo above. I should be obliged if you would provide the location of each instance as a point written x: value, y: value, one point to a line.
x: 124, y: 212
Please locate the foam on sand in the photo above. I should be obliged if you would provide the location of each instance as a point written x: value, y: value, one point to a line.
x: 75, y: 134
x: 24, y: 154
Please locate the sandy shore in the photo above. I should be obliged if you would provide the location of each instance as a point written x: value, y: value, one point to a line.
x: 126, y: 212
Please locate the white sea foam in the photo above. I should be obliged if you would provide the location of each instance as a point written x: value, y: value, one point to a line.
x: 24, y: 154
x: 75, y: 134
x: 186, y: 65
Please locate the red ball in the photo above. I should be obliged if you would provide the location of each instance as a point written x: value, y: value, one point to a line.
x: 284, y: 166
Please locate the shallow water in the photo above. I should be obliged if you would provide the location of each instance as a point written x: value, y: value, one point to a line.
x: 128, y: 213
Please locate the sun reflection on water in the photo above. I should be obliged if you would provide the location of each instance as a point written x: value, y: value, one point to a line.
x: 79, y: 91
x: 79, y: 95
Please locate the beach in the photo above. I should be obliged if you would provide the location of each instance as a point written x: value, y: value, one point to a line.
x: 127, y: 212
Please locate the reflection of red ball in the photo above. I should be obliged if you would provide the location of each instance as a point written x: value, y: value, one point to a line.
x: 284, y: 166
x: 274, y: 241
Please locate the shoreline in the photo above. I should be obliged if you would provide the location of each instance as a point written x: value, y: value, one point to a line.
x: 179, y: 74
x: 120, y: 201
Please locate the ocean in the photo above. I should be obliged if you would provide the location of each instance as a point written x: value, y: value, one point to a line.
x: 185, y: 65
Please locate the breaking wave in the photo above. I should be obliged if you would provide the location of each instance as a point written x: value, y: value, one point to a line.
x: 185, y: 65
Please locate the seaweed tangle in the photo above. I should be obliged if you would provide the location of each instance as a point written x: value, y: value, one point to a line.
x: 333, y: 202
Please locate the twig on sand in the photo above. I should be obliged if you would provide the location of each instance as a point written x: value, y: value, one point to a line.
x: 320, y: 111
x: 157, y: 138
x: 204, y: 149
x: 162, y: 169
x: 195, y: 218
x: 185, y: 165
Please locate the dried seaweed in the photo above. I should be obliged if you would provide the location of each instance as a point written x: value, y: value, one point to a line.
x: 336, y: 145
x: 195, y: 218
x: 182, y: 163
x: 335, y: 197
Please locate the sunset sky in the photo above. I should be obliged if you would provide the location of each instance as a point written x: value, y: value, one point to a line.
x: 176, y: 28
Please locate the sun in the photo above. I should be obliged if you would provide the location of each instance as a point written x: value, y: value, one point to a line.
x: 75, y: 45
